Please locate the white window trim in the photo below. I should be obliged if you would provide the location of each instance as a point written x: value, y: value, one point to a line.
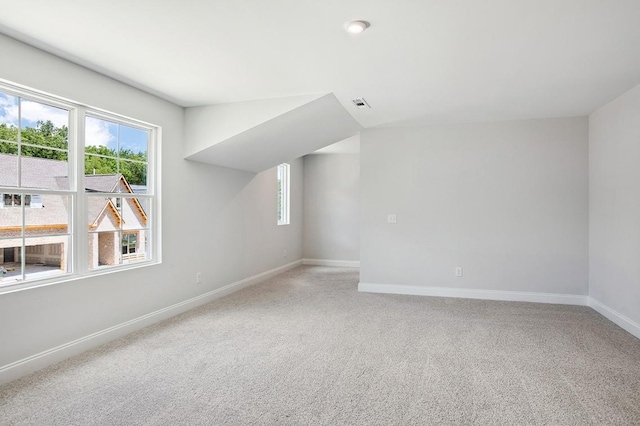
x: 78, y: 267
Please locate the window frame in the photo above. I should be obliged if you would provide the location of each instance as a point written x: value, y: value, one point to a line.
x: 78, y: 228
x: 283, y: 203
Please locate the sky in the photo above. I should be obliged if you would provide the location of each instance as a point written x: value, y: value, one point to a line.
x: 98, y: 132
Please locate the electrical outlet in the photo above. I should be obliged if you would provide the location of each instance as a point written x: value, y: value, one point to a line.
x: 392, y: 218
x: 285, y: 253
x: 198, y: 277
x: 458, y: 272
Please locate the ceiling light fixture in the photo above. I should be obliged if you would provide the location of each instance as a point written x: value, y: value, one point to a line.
x: 356, y: 27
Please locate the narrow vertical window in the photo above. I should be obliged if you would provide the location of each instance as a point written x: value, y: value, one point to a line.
x: 283, y: 194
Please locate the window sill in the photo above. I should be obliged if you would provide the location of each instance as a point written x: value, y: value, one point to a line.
x: 45, y: 282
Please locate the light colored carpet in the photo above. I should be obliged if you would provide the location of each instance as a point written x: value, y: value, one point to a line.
x: 307, y: 348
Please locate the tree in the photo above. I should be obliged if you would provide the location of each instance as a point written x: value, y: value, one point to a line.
x: 8, y: 133
x: 94, y: 165
x: 44, y: 136
x: 102, y: 160
x: 37, y: 142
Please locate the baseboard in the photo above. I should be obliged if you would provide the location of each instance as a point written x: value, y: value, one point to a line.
x: 615, y: 317
x: 51, y: 356
x: 328, y: 262
x: 513, y: 296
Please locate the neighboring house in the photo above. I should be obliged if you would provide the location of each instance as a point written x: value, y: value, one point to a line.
x: 116, y: 225
x: 126, y: 215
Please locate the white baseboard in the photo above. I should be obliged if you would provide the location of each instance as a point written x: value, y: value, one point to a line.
x: 615, y: 317
x: 17, y: 369
x: 513, y: 296
x: 328, y: 262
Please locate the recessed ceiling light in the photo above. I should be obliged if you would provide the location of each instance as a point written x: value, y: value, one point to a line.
x: 356, y: 27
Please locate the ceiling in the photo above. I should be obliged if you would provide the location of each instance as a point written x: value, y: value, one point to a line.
x: 346, y: 146
x: 271, y: 130
x: 420, y: 62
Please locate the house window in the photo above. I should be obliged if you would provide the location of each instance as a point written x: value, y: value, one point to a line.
x: 15, y: 200
x: 283, y: 173
x: 11, y: 200
x: 95, y: 199
x: 129, y: 243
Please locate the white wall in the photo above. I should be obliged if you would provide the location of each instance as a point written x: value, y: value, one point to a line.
x: 217, y: 221
x: 614, y: 206
x: 332, y: 207
x: 506, y: 201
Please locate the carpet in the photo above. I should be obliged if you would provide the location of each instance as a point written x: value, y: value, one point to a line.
x: 305, y: 348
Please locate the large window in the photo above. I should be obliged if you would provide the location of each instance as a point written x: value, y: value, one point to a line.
x: 77, y: 185
x: 283, y: 194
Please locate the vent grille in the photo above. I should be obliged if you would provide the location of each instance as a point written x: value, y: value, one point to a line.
x: 360, y: 103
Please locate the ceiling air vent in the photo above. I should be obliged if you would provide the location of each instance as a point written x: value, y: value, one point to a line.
x: 360, y: 103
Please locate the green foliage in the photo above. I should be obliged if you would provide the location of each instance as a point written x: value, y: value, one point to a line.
x: 100, y: 165
x: 8, y: 148
x: 133, y: 171
x: 46, y: 135
x: 8, y: 133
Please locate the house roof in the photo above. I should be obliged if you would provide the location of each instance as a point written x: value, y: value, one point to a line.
x: 101, y: 183
x: 41, y: 173
x: 36, y: 172
x: 115, y: 183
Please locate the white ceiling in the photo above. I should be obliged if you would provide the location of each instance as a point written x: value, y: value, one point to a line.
x: 346, y: 146
x: 422, y: 61
x: 286, y: 134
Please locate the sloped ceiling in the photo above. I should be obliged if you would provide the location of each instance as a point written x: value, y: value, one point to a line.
x: 255, y: 136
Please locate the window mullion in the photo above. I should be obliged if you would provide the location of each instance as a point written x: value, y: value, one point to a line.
x: 19, y: 166
x: 81, y: 227
x: 23, y: 249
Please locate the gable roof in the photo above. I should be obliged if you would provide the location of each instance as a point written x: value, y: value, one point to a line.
x: 116, y: 184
